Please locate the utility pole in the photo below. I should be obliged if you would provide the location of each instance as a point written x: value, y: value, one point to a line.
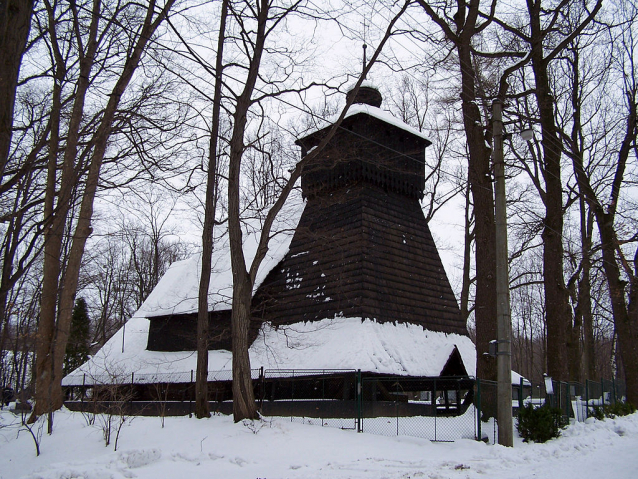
x: 504, y: 323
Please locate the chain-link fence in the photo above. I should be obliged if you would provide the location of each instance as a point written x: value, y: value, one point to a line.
x: 324, y: 397
x: 578, y: 401
x: 439, y: 409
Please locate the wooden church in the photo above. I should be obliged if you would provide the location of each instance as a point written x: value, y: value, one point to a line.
x: 361, y: 258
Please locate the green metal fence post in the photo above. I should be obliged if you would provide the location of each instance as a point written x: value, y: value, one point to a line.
x: 396, y: 405
x: 520, y: 394
x: 478, y: 409
x: 586, y: 398
x: 292, y: 396
x: 323, y: 393
x: 602, y: 393
x: 435, y: 408
x: 83, y: 390
x: 359, y: 397
x: 613, y: 385
x: 567, y: 401
x: 190, y: 397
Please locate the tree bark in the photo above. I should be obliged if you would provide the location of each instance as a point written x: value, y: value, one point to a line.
x: 244, y: 406
x: 480, y: 181
x: 53, y: 331
x: 623, y: 295
x: 201, y: 385
x: 243, y: 279
x: 243, y: 397
x: 557, y: 309
x: 48, y: 396
x: 15, y: 24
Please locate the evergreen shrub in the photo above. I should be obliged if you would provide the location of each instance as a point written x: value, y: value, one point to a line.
x: 613, y: 410
x: 540, y: 424
x: 597, y: 412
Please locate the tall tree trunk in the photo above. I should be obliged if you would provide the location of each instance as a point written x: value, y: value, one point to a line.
x: 15, y: 23
x: 624, y: 302
x: 201, y: 385
x: 480, y: 180
x: 243, y: 279
x: 244, y: 406
x: 584, y: 295
x: 243, y: 396
x: 557, y: 309
x: 47, y: 396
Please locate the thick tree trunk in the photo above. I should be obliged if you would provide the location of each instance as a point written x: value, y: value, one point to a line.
x: 243, y: 395
x: 557, y: 309
x: 244, y: 406
x: 48, y: 395
x: 624, y: 304
x: 55, y: 322
x: 625, y: 313
x: 480, y: 181
x: 15, y: 23
x: 584, y: 298
x: 480, y: 178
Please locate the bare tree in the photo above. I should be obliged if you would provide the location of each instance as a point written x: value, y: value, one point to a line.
x: 88, y: 29
x: 266, y: 18
x: 602, y: 184
x: 15, y: 23
x: 558, y: 312
x: 202, y: 408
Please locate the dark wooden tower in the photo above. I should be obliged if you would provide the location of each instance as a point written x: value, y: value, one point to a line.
x: 363, y: 247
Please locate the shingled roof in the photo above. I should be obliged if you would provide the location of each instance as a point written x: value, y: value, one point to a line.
x: 363, y: 247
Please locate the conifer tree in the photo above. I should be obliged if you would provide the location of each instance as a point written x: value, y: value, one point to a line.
x: 77, y: 348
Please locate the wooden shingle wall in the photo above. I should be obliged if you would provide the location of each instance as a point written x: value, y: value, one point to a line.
x: 361, y: 252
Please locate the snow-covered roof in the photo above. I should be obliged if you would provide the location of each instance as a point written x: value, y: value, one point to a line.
x: 375, y: 112
x: 176, y: 292
x: 516, y: 379
x: 339, y: 343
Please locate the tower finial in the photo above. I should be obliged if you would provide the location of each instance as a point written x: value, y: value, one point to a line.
x: 364, y: 59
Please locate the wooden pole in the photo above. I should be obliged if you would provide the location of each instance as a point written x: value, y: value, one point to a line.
x: 504, y: 323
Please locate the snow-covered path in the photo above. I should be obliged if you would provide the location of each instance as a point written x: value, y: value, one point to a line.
x: 217, y: 448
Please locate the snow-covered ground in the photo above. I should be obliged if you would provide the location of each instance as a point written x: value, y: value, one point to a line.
x: 277, y: 448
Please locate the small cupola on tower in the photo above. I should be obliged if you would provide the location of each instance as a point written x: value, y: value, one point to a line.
x: 370, y: 146
x: 367, y: 95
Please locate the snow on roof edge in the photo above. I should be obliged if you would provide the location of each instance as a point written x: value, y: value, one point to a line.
x: 177, y: 290
x: 375, y: 112
x: 331, y: 344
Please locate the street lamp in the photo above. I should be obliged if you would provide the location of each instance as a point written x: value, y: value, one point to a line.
x: 527, y: 134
